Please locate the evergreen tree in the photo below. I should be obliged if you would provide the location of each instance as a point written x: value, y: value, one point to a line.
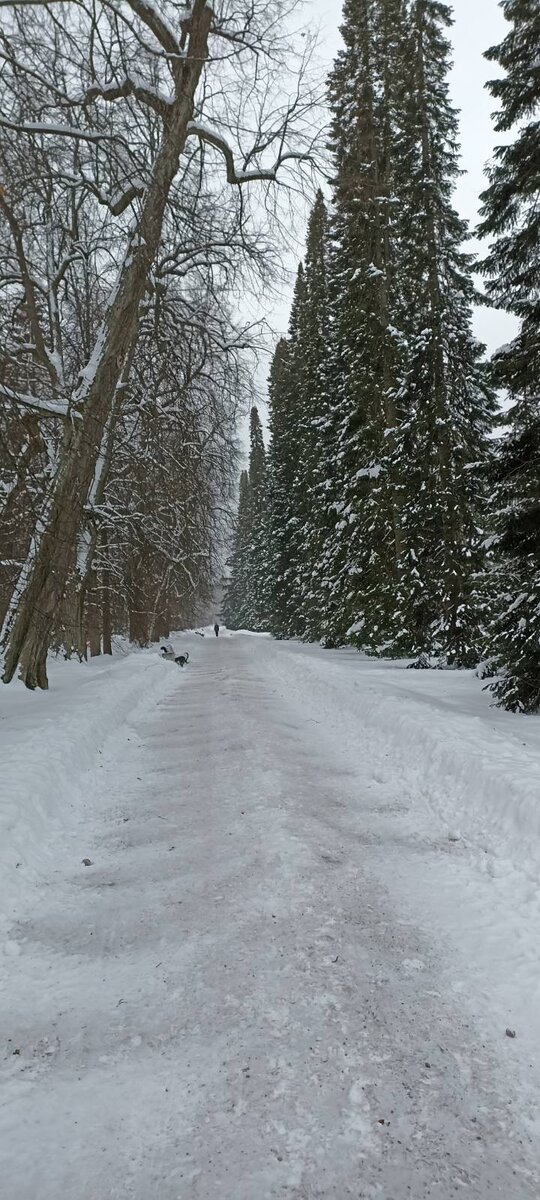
x: 447, y: 406
x: 257, y: 582
x: 246, y: 602
x: 285, y: 453
x: 234, y: 609
x: 310, y: 361
x: 413, y: 407
x: 298, y: 399
x: 511, y: 217
x: 364, y: 539
x: 380, y: 408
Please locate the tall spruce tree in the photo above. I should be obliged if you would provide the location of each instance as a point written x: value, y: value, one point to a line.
x: 511, y: 217
x: 380, y: 406
x: 285, y: 452
x: 257, y: 584
x: 447, y: 406
x: 413, y: 406
x: 234, y: 608
x: 310, y: 354
x: 364, y: 541
x: 298, y: 402
x: 247, y: 596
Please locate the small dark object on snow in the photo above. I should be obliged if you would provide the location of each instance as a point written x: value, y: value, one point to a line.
x: 421, y: 663
x: 17, y: 1051
x: 182, y: 659
x: 510, y: 1033
x: 216, y: 629
x: 336, y: 958
x: 199, y: 633
x: 87, y: 862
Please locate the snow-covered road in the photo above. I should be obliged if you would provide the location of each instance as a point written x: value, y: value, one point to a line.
x: 258, y: 989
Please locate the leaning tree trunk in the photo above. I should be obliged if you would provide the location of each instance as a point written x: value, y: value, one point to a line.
x: 89, y: 537
x: 42, y: 584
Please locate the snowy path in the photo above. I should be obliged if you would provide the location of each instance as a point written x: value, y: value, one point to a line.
x: 240, y: 998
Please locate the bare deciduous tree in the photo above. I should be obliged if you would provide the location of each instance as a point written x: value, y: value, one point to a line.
x: 113, y: 103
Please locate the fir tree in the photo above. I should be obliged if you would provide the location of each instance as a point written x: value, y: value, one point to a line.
x: 257, y: 584
x: 285, y: 452
x: 234, y: 609
x: 310, y: 350
x: 413, y: 405
x: 380, y: 409
x: 359, y: 560
x: 247, y: 597
x: 447, y: 406
x: 511, y: 217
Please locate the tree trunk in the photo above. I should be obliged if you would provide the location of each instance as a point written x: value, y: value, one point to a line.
x: 94, y: 627
x: 43, y: 580
x: 73, y: 622
x: 89, y: 537
x: 383, y: 261
x: 160, y: 619
x: 138, y: 620
x: 106, y: 615
x: 91, y: 615
x: 8, y: 510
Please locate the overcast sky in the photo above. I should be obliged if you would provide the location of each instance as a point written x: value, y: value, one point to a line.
x: 478, y: 25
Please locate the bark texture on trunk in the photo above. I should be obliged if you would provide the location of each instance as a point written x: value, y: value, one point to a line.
x: 42, y: 586
x: 106, y: 613
x: 138, y: 620
x: 93, y: 623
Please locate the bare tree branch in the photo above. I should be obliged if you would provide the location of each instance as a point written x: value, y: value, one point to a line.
x: 130, y: 87
x: 157, y: 25
x: 57, y: 130
x: 47, y: 408
x: 212, y: 138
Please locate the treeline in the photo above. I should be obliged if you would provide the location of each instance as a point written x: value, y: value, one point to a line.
x: 387, y: 511
x: 134, y: 137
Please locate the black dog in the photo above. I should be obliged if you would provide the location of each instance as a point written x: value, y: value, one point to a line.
x: 182, y: 659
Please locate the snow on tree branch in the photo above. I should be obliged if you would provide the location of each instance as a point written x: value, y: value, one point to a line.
x: 47, y: 408
x: 130, y: 86
x: 213, y: 138
x: 66, y: 131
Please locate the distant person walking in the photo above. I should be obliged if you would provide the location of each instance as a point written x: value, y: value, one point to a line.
x: 216, y: 629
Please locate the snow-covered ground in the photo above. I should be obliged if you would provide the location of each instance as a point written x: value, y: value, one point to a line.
x: 311, y: 915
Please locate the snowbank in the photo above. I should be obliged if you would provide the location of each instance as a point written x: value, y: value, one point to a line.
x: 49, y: 744
x: 474, y: 765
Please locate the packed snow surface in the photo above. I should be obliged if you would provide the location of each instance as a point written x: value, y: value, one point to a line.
x: 306, y: 932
